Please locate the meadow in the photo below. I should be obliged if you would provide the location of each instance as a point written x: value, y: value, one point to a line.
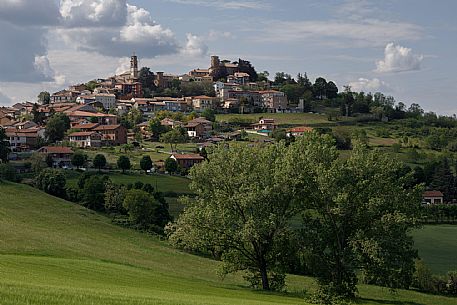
x: 56, y: 252
x: 162, y: 183
x: 280, y: 118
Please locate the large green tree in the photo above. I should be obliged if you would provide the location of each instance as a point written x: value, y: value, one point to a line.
x: 246, y: 197
x: 360, y: 219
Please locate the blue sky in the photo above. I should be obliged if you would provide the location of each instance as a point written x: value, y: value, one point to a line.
x: 403, y: 48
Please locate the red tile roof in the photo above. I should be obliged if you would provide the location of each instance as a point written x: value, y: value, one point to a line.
x: 82, y: 133
x: 107, y: 127
x: 432, y: 194
x: 56, y: 150
x: 188, y: 157
x: 86, y: 126
x: 301, y: 129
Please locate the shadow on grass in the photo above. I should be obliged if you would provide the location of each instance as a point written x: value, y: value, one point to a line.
x: 377, y: 301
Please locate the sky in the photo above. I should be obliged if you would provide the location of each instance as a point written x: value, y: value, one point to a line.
x: 403, y: 48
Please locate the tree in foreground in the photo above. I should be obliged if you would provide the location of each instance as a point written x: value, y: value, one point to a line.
x: 242, y: 210
x: 361, y: 221
x: 124, y: 163
x: 99, y: 161
x: 146, y: 163
x: 357, y: 214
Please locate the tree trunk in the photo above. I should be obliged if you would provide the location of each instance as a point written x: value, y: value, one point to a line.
x: 264, y: 275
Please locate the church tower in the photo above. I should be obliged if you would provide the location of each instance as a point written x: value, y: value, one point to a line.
x: 134, y: 66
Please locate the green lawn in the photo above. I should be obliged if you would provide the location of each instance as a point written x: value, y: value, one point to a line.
x: 151, y: 149
x: 163, y: 183
x: 438, y: 247
x: 56, y: 252
x: 280, y: 118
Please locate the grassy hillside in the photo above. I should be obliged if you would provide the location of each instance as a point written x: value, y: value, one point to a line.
x: 55, y: 252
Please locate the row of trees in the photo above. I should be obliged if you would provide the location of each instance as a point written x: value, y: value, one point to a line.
x: 263, y: 209
x: 144, y: 207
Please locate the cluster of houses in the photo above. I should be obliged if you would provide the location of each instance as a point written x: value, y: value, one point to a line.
x: 94, y: 108
x: 124, y: 91
x: 61, y: 157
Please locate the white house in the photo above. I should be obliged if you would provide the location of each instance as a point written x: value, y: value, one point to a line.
x: 86, y: 139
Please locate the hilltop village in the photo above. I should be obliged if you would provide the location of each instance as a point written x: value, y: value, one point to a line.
x: 95, y: 108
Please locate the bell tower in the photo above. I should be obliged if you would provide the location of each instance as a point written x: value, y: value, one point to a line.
x: 134, y: 66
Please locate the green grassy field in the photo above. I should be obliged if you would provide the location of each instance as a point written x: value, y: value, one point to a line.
x: 163, y: 183
x: 438, y: 247
x: 280, y: 118
x: 148, y: 149
x: 56, y: 252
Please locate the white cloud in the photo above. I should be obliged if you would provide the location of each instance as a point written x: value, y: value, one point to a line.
x: 93, y: 12
x: 195, y: 46
x: 398, y: 59
x: 369, y: 85
x: 215, y: 35
x: 221, y: 4
x: 365, y: 33
x: 137, y: 33
x: 123, y: 65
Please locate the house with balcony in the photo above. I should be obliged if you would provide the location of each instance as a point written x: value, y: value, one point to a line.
x: 85, y: 139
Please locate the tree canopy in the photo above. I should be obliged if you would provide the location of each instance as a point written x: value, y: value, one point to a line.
x: 356, y: 213
x: 123, y: 163
x: 56, y: 127
x: 99, y: 161
x: 146, y: 163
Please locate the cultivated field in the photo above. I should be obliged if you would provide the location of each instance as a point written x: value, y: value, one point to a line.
x: 56, y: 252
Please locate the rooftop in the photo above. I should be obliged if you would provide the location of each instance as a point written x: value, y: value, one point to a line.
x: 188, y: 157
x: 56, y: 150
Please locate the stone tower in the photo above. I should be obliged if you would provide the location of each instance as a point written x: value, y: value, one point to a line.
x: 134, y: 66
x: 215, y: 62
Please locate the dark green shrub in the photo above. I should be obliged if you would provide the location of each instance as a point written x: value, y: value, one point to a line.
x: 8, y: 172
